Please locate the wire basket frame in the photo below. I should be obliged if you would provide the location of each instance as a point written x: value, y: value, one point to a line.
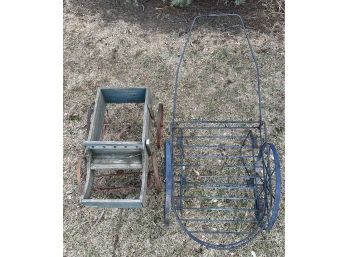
x: 222, y: 177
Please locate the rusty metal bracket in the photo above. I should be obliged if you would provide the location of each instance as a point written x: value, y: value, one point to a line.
x: 159, y: 126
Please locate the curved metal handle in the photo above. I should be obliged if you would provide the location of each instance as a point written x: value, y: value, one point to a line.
x: 183, y: 53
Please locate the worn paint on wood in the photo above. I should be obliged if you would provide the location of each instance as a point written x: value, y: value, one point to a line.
x: 119, y: 155
x: 112, y: 203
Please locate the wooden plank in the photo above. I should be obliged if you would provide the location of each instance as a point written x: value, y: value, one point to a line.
x: 120, y: 160
x: 145, y: 159
x: 146, y: 118
x: 144, y: 178
x: 97, y: 121
x: 115, y: 145
x: 112, y: 203
x: 124, y: 95
x: 117, y: 172
x: 86, y: 143
x: 87, y: 191
x: 117, y: 154
x: 117, y: 166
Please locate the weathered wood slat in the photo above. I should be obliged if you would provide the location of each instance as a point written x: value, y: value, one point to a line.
x: 115, y: 145
x: 112, y: 203
x: 116, y: 166
x: 145, y: 158
x: 124, y: 95
x: 87, y: 191
x: 119, y: 160
x: 117, y: 155
x: 97, y: 121
x: 127, y: 143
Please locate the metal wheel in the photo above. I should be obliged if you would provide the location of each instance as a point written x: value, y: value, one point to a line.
x: 168, y: 180
x: 268, y: 199
x: 159, y: 125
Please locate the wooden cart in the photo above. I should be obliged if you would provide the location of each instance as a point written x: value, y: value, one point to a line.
x: 122, y: 156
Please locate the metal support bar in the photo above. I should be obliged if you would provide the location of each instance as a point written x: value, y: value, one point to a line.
x: 220, y: 220
x: 212, y: 156
x: 218, y: 232
x: 221, y: 146
x: 217, y: 197
x: 217, y: 209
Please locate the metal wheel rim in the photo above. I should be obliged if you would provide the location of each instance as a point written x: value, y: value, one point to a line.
x: 272, y: 200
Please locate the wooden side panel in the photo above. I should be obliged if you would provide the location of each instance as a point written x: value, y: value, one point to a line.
x: 124, y: 95
x: 116, y: 154
x: 146, y: 132
x: 146, y: 119
x: 97, y: 121
x: 144, y: 178
x: 112, y: 203
x: 96, y: 146
x: 87, y: 191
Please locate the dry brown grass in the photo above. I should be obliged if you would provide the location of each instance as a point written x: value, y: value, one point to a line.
x: 274, y: 6
x: 109, y: 44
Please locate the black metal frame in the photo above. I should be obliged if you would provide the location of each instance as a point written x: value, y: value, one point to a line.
x: 255, y: 187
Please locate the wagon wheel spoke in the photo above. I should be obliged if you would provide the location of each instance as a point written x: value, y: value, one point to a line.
x: 267, y: 211
x: 269, y: 194
x: 270, y: 169
x: 260, y: 193
x: 268, y: 165
x: 264, y: 169
x: 267, y: 162
x: 260, y: 178
x: 264, y: 163
x: 273, y: 197
x: 269, y: 187
x: 273, y: 171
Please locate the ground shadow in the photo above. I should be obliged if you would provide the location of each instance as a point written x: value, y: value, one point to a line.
x: 160, y: 16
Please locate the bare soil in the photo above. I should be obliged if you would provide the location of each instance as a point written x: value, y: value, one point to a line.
x: 109, y: 43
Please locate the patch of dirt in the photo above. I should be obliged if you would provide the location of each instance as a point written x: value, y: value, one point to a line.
x: 108, y: 43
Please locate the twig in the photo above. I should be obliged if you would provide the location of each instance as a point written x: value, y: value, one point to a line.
x: 78, y: 175
x: 156, y: 174
x: 118, y: 135
x: 99, y: 219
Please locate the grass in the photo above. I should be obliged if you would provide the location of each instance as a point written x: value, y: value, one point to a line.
x: 88, y: 64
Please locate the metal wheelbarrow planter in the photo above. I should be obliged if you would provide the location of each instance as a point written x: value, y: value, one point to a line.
x: 222, y: 177
x: 126, y: 157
